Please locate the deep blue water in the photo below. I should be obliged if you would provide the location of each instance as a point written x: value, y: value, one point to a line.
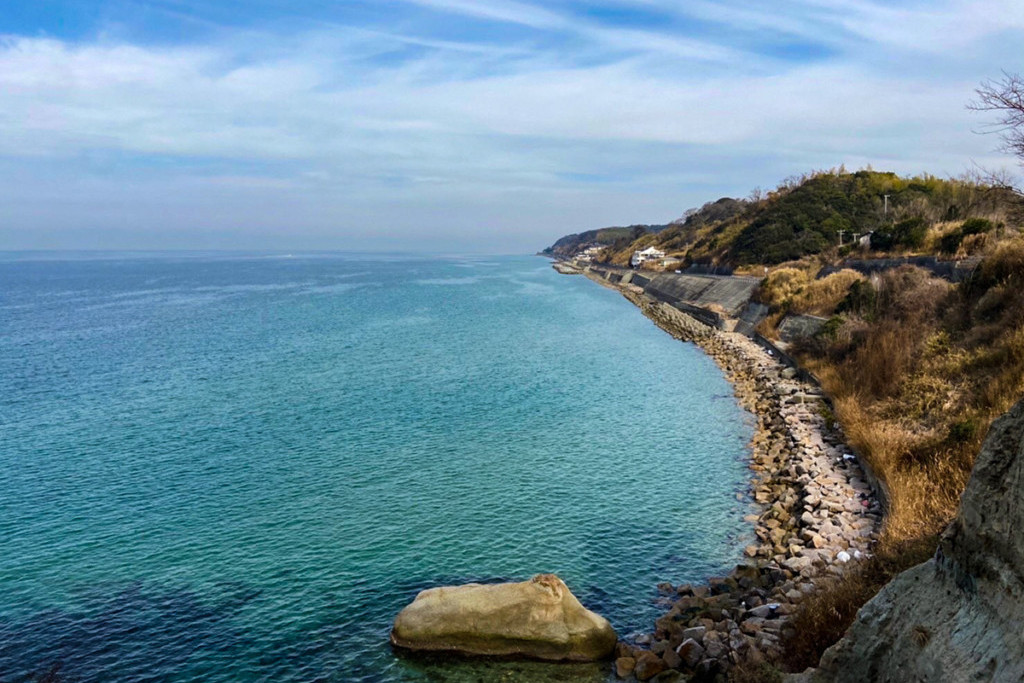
x: 226, y: 468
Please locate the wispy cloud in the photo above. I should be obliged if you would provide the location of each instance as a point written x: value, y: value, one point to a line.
x: 499, y: 10
x: 368, y: 128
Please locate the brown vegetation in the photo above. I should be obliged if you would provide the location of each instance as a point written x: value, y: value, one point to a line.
x: 793, y: 289
x: 918, y: 368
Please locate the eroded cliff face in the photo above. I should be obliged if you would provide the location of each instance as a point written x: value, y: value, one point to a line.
x: 959, y: 616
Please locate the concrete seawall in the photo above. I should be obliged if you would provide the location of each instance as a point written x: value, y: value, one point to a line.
x: 723, y: 296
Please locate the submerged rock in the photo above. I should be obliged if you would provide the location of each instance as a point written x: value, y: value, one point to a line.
x: 537, y: 619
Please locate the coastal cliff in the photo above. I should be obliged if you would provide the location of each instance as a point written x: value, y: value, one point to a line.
x: 958, y: 616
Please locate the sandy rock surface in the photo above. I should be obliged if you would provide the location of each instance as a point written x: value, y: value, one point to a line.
x: 537, y: 619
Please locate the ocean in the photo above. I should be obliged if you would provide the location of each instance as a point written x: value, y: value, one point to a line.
x: 240, y: 467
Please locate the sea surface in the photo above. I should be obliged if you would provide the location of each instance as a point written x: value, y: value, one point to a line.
x: 229, y: 467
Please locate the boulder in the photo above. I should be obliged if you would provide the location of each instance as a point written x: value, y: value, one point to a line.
x: 535, y: 619
x: 648, y: 665
x: 624, y: 667
x: 763, y: 611
x: 797, y: 564
x: 691, y: 652
x: 671, y: 659
x: 696, y: 633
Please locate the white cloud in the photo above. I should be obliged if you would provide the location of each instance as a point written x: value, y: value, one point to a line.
x: 325, y: 130
x: 62, y: 99
x: 499, y: 10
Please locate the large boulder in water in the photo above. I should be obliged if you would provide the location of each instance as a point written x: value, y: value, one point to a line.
x: 537, y: 619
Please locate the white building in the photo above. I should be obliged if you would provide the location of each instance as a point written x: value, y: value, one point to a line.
x: 589, y: 254
x: 648, y: 254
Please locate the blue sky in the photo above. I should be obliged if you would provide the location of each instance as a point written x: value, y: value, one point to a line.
x: 463, y: 125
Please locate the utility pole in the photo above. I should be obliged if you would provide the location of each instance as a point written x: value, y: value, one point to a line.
x: 841, y: 237
x: 886, y: 211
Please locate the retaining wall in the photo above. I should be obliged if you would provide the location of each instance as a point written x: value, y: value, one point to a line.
x: 954, y: 271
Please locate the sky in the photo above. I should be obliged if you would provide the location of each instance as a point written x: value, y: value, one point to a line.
x: 486, y: 126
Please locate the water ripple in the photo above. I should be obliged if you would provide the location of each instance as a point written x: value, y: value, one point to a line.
x: 250, y: 486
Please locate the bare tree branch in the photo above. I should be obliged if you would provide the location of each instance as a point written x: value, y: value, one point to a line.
x: 1006, y: 97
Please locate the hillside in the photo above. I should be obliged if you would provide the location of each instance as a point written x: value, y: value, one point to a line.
x: 918, y: 361
x: 821, y: 213
x: 614, y: 237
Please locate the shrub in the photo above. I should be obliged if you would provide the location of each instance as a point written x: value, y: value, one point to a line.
x: 977, y: 226
x: 860, y: 299
x: 830, y: 329
x: 964, y: 431
x: 910, y: 232
x: 950, y: 242
x: 882, y: 239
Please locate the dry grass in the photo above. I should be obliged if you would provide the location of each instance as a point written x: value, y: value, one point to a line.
x: 881, y: 362
x: 892, y: 409
x: 782, y: 286
x: 821, y: 297
x: 794, y: 289
x: 915, y: 387
x: 769, y: 327
x: 923, y: 481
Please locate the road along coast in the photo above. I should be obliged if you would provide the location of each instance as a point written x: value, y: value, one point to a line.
x: 817, y: 514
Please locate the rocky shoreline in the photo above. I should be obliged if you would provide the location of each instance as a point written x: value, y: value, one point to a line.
x: 817, y: 515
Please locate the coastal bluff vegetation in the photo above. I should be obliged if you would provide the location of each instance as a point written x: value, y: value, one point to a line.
x: 903, y: 297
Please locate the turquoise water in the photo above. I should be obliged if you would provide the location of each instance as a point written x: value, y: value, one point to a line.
x: 240, y: 468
